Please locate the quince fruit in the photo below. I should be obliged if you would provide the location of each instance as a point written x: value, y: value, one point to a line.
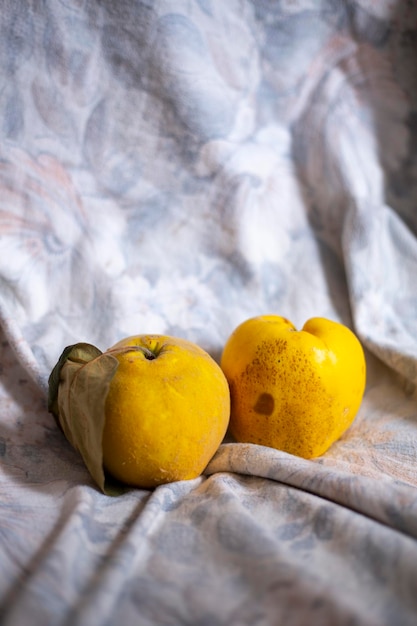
x: 150, y: 410
x: 167, y: 411
x: 296, y: 391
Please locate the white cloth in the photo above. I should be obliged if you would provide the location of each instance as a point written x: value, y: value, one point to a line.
x: 178, y: 167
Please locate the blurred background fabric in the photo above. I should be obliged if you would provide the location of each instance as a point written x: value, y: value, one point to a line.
x: 176, y: 167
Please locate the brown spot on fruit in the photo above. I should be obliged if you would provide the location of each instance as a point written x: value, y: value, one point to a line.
x: 264, y: 404
x: 279, y: 346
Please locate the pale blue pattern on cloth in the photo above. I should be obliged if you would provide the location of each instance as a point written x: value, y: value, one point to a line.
x: 178, y: 167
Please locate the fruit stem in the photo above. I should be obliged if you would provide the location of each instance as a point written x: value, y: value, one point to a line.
x: 150, y: 355
x: 147, y: 353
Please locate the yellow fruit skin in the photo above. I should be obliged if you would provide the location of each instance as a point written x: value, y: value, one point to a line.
x: 297, y: 391
x: 165, y: 417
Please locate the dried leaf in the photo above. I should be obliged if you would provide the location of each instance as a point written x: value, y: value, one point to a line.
x: 78, y: 387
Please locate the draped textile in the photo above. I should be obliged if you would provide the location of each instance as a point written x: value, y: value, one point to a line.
x: 177, y: 167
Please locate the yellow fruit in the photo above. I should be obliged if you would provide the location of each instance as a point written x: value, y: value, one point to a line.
x: 296, y: 391
x: 166, y: 412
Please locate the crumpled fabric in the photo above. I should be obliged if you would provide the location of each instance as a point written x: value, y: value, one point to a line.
x: 177, y: 167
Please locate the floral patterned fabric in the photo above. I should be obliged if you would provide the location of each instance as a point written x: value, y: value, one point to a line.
x: 177, y: 167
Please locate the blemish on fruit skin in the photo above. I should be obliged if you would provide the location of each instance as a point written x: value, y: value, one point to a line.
x: 264, y: 404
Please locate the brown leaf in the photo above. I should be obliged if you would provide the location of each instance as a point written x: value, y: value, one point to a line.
x: 78, y: 388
